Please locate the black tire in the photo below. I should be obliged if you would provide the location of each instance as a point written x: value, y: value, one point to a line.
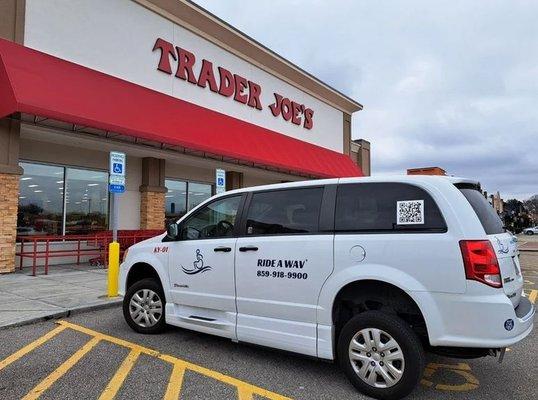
x: 154, y: 286
x: 408, y: 341
x: 530, y: 233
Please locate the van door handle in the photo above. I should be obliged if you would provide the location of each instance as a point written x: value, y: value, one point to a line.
x: 248, y: 248
x: 223, y: 249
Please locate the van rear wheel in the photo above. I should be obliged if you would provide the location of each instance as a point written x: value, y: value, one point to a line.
x: 143, y: 307
x: 381, y: 355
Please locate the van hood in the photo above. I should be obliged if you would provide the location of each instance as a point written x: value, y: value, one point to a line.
x: 150, y: 241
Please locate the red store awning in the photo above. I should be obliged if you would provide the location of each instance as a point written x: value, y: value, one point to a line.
x: 36, y: 83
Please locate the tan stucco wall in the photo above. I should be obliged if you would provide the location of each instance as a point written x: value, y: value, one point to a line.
x: 12, y: 20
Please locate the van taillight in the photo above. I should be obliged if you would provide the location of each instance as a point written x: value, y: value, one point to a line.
x: 481, y: 262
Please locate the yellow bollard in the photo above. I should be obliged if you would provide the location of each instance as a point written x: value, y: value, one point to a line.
x: 113, y: 268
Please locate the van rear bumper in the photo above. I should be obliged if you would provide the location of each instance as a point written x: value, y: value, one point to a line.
x: 482, y: 321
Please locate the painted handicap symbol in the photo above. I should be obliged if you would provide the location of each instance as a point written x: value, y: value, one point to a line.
x: 462, y: 370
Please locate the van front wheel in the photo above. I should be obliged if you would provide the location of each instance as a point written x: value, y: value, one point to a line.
x: 381, y: 355
x: 143, y: 306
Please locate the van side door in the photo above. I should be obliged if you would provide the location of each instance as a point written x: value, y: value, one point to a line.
x: 201, y: 269
x: 283, y: 257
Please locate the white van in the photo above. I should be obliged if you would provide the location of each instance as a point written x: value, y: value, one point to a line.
x: 371, y: 272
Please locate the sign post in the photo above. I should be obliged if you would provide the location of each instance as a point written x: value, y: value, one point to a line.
x: 220, y: 181
x: 116, y: 186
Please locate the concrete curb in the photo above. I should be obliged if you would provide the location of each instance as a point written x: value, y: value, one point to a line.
x: 66, y: 313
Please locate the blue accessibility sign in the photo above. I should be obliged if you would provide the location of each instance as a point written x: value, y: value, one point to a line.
x: 116, y: 177
x: 116, y: 188
x: 220, y: 180
x: 117, y: 163
x: 117, y: 168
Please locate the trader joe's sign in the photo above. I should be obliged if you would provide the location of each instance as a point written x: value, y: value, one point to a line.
x: 181, y: 63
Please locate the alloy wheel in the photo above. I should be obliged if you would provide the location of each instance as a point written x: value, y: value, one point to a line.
x: 146, y: 308
x: 376, y: 357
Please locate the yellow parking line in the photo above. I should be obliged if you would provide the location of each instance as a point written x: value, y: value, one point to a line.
x: 244, y: 393
x: 117, y: 380
x: 36, y: 343
x: 533, y: 295
x: 176, y: 380
x: 61, y: 370
x: 110, y: 339
x: 241, y: 386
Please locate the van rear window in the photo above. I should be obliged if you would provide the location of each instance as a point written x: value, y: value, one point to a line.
x: 386, y: 208
x: 487, y: 215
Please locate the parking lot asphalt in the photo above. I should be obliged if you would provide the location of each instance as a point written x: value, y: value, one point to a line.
x: 96, y: 355
x: 527, y: 242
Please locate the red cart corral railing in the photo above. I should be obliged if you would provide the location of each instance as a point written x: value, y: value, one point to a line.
x: 75, y: 248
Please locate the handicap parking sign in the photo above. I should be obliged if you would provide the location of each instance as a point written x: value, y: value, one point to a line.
x: 116, y: 177
x: 117, y: 168
x: 220, y: 180
x: 117, y: 163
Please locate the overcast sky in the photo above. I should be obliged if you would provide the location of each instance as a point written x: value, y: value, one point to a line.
x: 443, y: 83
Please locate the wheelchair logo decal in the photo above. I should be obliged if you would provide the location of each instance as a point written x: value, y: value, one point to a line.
x: 198, y: 265
x: 502, y: 248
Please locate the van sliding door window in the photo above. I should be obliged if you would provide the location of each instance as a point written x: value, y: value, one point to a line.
x: 292, y: 211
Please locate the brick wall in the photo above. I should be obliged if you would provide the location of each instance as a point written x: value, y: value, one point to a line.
x: 152, y: 205
x: 9, y: 200
x: 426, y: 171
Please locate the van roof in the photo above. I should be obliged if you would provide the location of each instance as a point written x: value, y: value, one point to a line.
x: 370, y: 179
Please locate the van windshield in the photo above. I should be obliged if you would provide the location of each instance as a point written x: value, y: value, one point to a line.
x: 487, y: 215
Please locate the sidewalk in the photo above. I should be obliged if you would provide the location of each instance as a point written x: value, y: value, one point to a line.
x: 65, y: 289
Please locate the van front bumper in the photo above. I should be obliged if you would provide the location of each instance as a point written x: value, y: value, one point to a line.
x: 483, y: 321
x: 122, y: 279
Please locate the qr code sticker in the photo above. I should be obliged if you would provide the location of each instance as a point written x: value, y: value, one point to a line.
x: 410, y: 212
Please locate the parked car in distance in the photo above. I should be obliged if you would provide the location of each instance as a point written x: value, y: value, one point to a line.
x: 370, y: 272
x: 531, y: 231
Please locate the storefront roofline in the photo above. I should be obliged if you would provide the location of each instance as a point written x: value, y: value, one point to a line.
x: 58, y: 133
x: 38, y: 84
x: 200, y: 21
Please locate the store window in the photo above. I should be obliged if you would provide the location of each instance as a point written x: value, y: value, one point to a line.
x: 176, y: 199
x: 56, y: 200
x: 183, y: 196
x: 40, y: 200
x: 198, y: 193
x: 86, y: 201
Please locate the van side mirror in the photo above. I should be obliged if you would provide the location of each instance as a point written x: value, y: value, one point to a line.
x: 172, y: 231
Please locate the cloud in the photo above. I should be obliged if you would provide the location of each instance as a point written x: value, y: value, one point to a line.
x: 446, y: 83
